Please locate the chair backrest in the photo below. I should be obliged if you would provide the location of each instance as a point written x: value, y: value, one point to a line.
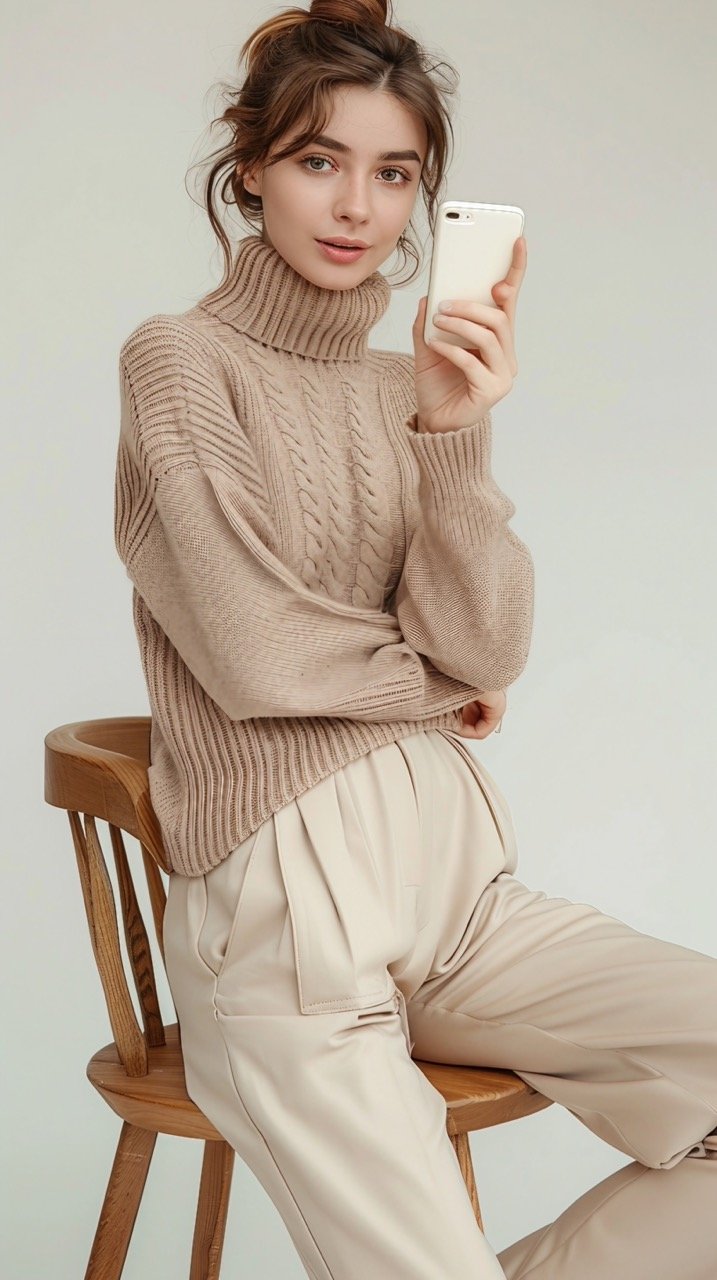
x: 97, y: 769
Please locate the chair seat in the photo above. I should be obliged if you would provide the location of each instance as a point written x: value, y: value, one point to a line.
x: 157, y: 1100
x: 479, y: 1097
x: 476, y: 1098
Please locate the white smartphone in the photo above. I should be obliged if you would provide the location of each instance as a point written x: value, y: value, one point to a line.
x: 472, y: 251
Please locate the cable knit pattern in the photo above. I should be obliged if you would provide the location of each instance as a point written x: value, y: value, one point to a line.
x: 335, y: 564
x: 301, y: 457
x: 311, y: 578
x: 375, y: 542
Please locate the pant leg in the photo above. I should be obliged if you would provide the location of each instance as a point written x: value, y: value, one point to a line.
x: 618, y: 1027
x: 285, y: 963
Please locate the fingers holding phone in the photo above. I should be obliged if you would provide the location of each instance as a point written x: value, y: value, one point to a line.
x: 464, y: 332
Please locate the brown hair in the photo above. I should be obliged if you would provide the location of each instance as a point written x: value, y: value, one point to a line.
x: 294, y: 63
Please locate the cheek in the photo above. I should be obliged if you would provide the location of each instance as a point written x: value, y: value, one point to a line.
x: 287, y: 186
x: 299, y: 194
x: 399, y: 215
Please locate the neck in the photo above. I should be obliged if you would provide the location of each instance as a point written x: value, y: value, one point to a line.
x: 264, y: 296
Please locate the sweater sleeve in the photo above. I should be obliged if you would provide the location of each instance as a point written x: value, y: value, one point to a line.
x: 197, y: 543
x: 465, y: 598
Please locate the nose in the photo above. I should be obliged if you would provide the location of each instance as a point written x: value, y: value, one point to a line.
x: 353, y: 202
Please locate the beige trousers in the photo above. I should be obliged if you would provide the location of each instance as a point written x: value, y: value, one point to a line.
x: 379, y: 913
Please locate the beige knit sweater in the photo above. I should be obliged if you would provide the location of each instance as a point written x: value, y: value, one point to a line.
x: 312, y: 578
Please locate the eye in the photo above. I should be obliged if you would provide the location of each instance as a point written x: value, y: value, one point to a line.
x: 405, y: 177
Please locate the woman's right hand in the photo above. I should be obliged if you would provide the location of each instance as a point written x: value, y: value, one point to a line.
x: 457, y: 386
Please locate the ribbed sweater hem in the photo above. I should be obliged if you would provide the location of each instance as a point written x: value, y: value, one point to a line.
x: 318, y: 748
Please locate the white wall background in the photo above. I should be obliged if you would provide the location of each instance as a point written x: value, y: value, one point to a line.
x: 596, y: 119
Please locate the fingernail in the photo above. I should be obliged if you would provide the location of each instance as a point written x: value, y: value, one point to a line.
x: 445, y: 306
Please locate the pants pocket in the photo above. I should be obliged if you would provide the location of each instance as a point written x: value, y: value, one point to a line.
x: 220, y: 901
x: 340, y: 917
x: 494, y: 798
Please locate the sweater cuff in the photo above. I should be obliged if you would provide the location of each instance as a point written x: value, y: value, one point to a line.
x: 453, y: 458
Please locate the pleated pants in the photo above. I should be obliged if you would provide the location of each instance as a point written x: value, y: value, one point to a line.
x: 376, y: 918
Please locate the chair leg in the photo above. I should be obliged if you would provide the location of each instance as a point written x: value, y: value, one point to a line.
x: 212, y: 1207
x: 462, y: 1149
x: 122, y: 1199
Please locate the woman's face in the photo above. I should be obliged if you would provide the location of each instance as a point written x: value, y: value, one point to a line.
x: 325, y: 192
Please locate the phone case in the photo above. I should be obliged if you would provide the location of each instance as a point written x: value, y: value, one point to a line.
x: 472, y: 251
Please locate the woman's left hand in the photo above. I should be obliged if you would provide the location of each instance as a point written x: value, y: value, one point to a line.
x: 455, y: 386
x: 482, y: 717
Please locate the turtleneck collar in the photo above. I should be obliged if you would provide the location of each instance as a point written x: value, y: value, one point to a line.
x: 266, y: 298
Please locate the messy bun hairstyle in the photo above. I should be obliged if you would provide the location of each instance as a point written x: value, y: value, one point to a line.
x: 294, y: 63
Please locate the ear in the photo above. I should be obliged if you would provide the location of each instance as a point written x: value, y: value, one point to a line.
x: 250, y: 182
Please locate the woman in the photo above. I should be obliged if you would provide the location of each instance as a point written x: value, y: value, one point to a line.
x: 328, y: 600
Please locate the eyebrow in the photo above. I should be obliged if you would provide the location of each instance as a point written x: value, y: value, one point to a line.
x: 324, y: 141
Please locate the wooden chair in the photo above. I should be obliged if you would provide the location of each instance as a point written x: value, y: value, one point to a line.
x: 97, y: 769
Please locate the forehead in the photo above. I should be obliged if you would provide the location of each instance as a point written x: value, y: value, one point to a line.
x: 372, y: 124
